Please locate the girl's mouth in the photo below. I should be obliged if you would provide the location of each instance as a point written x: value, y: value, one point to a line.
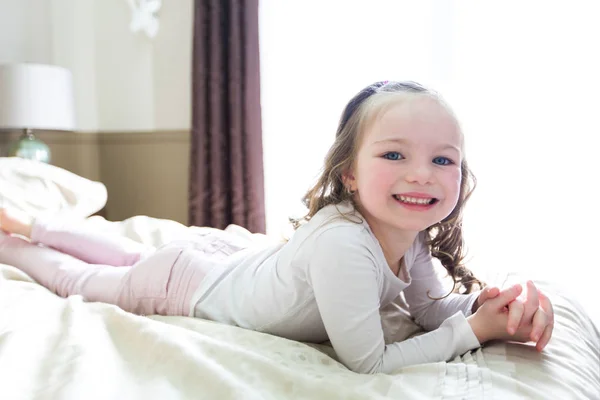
x: 418, y: 201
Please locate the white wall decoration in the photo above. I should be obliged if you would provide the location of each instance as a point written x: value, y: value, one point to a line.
x: 143, y: 16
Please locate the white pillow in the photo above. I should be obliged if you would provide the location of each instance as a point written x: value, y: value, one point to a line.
x: 38, y: 189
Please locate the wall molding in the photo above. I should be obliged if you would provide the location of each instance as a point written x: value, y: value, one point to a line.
x: 176, y: 136
x: 65, y: 137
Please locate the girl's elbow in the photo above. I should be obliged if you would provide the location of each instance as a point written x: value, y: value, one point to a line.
x: 367, y: 368
x: 367, y: 371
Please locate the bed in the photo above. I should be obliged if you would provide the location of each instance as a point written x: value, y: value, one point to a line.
x: 54, y: 348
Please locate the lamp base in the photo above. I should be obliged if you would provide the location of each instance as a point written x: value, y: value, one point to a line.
x: 30, y: 147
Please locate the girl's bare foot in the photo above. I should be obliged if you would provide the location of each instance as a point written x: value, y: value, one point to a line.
x: 14, y: 221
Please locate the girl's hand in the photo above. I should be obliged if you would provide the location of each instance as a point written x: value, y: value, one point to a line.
x: 523, y: 308
x: 531, y: 308
x: 543, y: 323
x: 488, y: 292
x: 492, y: 318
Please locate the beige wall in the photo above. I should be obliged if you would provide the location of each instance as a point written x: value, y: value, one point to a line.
x: 146, y: 173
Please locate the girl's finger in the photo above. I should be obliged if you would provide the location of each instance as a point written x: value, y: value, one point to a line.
x: 515, y: 314
x: 489, y: 292
x: 506, y: 296
x: 492, y: 292
x: 532, y: 303
x: 541, y: 344
x: 546, y: 305
x: 540, y: 322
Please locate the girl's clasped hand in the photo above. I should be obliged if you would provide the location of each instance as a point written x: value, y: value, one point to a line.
x: 513, y: 314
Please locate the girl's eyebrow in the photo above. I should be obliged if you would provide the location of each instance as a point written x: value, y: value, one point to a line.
x: 405, y: 142
x: 395, y: 140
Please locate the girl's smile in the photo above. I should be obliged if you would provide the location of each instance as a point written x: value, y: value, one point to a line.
x: 415, y: 201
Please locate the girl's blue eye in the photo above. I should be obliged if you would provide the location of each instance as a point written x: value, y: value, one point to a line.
x: 392, y: 155
x: 442, y: 161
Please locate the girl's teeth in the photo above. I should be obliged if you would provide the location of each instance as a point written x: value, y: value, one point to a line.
x: 412, y: 200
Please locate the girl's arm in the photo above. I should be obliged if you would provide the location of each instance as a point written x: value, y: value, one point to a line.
x: 347, y: 284
x: 427, y: 312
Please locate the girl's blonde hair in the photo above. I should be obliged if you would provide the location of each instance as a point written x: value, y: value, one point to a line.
x: 445, y: 238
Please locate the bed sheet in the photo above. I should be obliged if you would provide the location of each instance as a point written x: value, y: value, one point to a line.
x: 54, y: 348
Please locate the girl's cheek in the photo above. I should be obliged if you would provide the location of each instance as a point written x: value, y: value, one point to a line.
x: 453, y: 176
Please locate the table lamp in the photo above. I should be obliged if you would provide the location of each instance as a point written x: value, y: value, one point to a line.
x: 35, y: 96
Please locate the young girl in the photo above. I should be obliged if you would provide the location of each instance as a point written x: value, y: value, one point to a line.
x: 389, y: 199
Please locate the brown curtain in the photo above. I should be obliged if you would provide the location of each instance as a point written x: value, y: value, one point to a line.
x: 226, y: 177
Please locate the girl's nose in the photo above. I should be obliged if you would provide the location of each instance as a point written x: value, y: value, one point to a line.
x: 420, y: 173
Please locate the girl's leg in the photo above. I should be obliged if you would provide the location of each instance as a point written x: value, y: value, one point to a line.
x: 160, y: 284
x: 61, y: 273
x: 75, y: 239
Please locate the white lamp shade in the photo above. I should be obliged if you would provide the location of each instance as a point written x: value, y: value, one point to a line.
x: 35, y: 96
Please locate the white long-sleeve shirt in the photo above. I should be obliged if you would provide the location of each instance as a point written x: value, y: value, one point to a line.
x: 329, y: 282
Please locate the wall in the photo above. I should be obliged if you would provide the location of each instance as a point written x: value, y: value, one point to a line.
x: 124, y: 76
x: 24, y: 28
x: 73, y: 46
x: 123, y: 81
x: 172, y: 63
x: 146, y: 173
x: 143, y: 83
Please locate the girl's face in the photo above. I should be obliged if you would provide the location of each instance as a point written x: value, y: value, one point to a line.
x: 408, y: 168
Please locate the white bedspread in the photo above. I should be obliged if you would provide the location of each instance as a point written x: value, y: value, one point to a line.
x: 38, y: 188
x: 53, y: 348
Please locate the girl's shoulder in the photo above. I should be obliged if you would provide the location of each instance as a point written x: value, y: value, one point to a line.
x: 336, y: 224
x: 337, y: 215
x: 341, y: 228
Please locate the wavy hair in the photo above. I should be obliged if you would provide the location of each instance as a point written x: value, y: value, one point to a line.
x: 445, y: 238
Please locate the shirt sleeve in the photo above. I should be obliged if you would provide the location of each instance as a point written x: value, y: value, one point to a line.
x: 345, y: 277
x: 427, y: 312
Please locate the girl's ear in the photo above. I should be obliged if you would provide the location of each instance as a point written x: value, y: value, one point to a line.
x: 349, y: 180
